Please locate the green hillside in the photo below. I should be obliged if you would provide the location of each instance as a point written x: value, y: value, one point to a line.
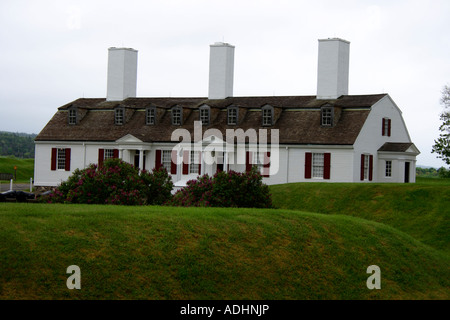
x: 210, y: 253
x: 25, y: 167
x: 421, y: 210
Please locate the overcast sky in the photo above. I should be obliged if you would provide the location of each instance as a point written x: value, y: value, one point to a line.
x: 53, y: 52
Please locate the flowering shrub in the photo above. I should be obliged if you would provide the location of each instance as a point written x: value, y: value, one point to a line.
x: 114, y: 182
x: 225, y: 189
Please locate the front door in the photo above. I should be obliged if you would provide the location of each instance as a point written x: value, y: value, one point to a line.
x: 407, y: 167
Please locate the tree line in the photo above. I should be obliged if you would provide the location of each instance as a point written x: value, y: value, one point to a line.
x: 19, y: 145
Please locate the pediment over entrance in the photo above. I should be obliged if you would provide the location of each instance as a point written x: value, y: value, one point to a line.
x: 129, y: 138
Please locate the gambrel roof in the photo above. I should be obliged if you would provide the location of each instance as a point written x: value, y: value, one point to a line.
x: 298, y: 118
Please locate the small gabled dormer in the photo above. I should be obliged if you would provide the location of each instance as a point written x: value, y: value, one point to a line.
x: 205, y: 115
x: 72, y: 115
x: 150, y: 115
x: 177, y: 115
x: 232, y: 115
x: 327, y: 115
x: 119, y: 115
x: 267, y: 115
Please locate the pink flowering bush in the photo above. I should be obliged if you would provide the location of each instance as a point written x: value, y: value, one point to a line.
x: 114, y: 182
x: 225, y: 189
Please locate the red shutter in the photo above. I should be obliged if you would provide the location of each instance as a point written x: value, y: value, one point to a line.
x: 173, y: 166
x: 116, y: 153
x: 308, y: 165
x: 266, y: 165
x: 370, y: 167
x: 389, y: 127
x: 53, y: 159
x: 383, y: 133
x: 186, y: 158
x: 158, y: 162
x: 248, y: 161
x: 327, y: 166
x: 199, y: 163
x: 362, y: 167
x: 101, y: 156
x: 67, y: 159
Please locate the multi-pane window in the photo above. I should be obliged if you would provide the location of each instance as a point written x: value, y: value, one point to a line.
x: 61, y: 159
x: 194, y: 162
x: 119, y: 116
x: 366, y: 167
x: 317, y: 165
x: 176, y: 116
x: 72, y: 116
x: 258, y: 161
x: 388, y: 168
x: 167, y: 159
x: 109, y: 153
x: 267, y: 115
x: 327, y: 117
x: 232, y: 116
x: 386, y: 129
x: 150, y: 116
x: 204, y: 116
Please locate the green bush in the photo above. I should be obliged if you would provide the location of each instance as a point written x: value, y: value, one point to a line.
x: 114, y: 182
x: 225, y: 189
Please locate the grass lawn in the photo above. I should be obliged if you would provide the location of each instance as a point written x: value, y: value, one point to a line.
x: 210, y: 253
x: 421, y: 210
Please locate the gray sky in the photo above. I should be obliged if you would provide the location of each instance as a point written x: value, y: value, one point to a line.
x: 53, y: 52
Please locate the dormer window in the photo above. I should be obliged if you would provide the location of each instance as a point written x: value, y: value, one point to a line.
x: 150, y: 116
x: 72, y: 116
x: 232, y: 116
x: 267, y: 116
x: 205, y: 115
x: 119, y: 115
x: 177, y: 116
x: 327, y: 114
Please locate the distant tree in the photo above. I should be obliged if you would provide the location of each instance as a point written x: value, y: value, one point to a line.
x: 442, y: 144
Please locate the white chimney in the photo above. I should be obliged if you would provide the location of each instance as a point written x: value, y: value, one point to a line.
x: 221, y: 70
x: 122, y: 74
x: 333, y: 69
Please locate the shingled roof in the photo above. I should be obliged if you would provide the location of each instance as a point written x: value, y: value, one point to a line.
x: 297, y: 118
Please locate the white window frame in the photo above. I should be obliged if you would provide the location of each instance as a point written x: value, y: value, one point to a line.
x: 61, y: 159
x: 267, y: 116
x: 150, y: 116
x: 257, y: 161
x: 72, y: 116
x: 232, y: 119
x: 108, y: 154
x: 119, y: 116
x: 177, y: 116
x: 194, y: 162
x: 318, y: 165
x: 166, y: 160
x: 366, y: 166
x: 388, y: 169
x: 326, y: 117
x: 205, y: 115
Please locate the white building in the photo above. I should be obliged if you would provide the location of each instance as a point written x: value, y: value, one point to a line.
x: 330, y: 137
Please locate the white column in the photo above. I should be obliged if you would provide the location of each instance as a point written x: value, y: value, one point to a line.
x: 141, y: 160
x: 203, y: 163
x: 225, y: 161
